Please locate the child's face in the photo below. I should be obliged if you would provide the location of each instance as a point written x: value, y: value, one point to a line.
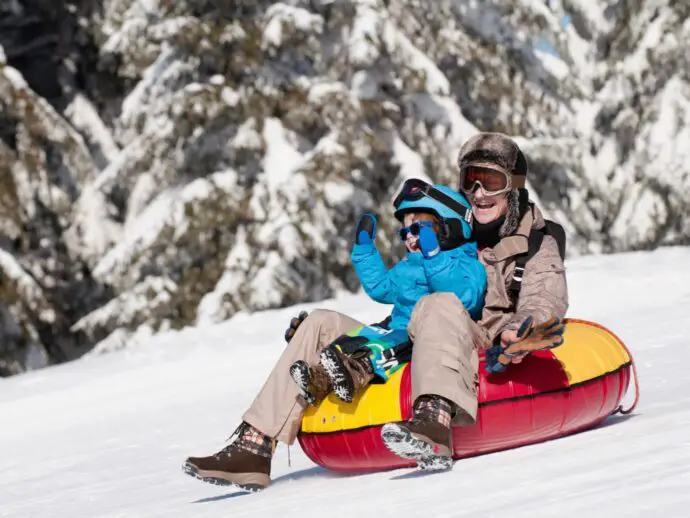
x: 412, y: 241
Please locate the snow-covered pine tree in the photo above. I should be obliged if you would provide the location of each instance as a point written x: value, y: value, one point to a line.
x: 638, y: 146
x: 259, y: 131
x: 629, y: 178
x: 45, y: 282
x: 197, y: 158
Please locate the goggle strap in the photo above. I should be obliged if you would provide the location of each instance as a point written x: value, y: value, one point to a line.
x: 449, y: 202
x: 433, y: 193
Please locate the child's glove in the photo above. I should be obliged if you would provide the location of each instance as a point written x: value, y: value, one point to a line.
x: 428, y: 242
x: 366, y: 229
x: 531, y: 338
x: 295, y: 322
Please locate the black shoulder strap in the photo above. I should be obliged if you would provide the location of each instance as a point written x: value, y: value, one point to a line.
x: 534, y: 242
x: 535, y: 239
x: 556, y: 231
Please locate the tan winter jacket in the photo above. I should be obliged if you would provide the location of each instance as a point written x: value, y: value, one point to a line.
x: 544, y: 292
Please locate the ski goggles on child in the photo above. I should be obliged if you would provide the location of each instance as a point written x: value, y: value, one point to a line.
x: 414, y: 229
x: 492, y: 181
x: 414, y: 189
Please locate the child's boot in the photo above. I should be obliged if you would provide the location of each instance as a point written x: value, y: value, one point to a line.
x: 348, y: 373
x: 313, y: 382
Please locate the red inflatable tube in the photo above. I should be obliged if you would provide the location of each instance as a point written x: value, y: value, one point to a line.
x: 549, y: 395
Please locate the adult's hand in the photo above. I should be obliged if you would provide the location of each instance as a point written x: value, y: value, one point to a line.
x: 508, y: 337
x: 533, y: 337
x: 513, y: 346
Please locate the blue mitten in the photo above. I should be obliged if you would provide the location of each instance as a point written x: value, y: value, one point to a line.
x: 366, y: 229
x: 428, y: 241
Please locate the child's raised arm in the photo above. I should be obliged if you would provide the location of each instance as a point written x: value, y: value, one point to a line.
x: 371, y: 270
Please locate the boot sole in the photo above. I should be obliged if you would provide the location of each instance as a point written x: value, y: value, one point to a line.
x: 341, y: 381
x: 255, y: 481
x: 299, y: 372
x: 404, y: 444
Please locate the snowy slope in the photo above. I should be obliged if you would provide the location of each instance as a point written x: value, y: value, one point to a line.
x: 105, y: 436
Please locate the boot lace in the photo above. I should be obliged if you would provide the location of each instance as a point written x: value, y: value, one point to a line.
x: 234, y: 438
x: 247, y: 438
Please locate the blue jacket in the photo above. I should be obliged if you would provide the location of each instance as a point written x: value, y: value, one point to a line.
x: 457, y: 271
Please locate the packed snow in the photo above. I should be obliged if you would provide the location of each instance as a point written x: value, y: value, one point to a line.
x: 105, y: 436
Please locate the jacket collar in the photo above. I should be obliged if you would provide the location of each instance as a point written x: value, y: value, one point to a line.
x: 518, y: 242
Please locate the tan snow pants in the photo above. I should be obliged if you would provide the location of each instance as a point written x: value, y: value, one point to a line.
x: 444, y: 363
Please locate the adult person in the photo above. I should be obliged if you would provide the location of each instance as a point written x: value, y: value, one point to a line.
x: 445, y: 357
x: 493, y: 172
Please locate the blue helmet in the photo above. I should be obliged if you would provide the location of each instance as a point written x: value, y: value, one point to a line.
x: 450, y: 206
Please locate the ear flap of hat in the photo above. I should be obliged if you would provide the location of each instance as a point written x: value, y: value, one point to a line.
x: 520, y: 164
x: 514, y: 214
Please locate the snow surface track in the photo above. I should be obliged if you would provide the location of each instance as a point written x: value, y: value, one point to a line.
x: 105, y: 436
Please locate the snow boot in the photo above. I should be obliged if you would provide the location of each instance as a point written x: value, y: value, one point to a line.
x: 348, y: 373
x: 313, y: 382
x: 244, y: 463
x: 426, y: 438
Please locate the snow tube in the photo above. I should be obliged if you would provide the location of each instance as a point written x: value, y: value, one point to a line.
x: 550, y: 394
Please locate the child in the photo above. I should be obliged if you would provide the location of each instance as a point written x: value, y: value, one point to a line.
x: 436, y: 227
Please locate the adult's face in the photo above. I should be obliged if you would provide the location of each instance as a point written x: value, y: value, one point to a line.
x: 488, y: 208
x: 487, y: 189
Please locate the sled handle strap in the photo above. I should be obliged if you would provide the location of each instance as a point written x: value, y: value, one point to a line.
x: 620, y: 409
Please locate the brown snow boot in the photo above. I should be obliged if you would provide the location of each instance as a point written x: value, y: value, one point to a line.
x: 244, y: 463
x: 348, y: 373
x: 426, y: 438
x: 313, y: 382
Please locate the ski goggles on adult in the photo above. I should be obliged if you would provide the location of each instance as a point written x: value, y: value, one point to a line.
x: 414, y: 229
x: 414, y: 189
x: 492, y: 181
